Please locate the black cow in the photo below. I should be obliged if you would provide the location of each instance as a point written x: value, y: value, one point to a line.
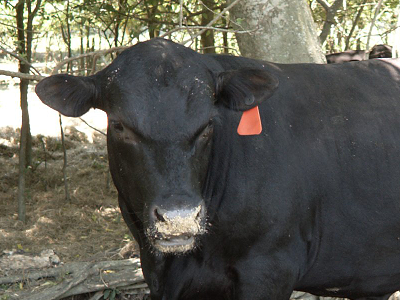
x: 345, y: 56
x: 377, y: 51
x: 380, y: 51
x: 311, y: 203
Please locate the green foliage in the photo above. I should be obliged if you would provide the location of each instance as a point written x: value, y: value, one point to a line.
x: 110, y: 294
x: 4, y: 297
x: 346, y: 23
x: 89, y: 25
x: 80, y: 26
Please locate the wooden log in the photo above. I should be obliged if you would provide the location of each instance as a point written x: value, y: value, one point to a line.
x: 82, y: 277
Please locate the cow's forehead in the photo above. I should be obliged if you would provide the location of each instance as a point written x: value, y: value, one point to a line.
x: 160, y: 90
x: 165, y: 113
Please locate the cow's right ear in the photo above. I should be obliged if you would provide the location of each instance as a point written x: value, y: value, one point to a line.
x: 245, y: 88
x: 70, y: 95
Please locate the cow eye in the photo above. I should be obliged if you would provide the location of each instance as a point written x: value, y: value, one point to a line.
x: 202, y: 140
x: 207, y: 131
x: 117, y: 126
x: 124, y: 133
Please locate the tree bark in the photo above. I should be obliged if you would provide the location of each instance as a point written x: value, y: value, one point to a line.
x: 225, y: 37
x: 355, y: 22
x: 281, y: 31
x: 207, y: 37
x: 152, y: 24
x: 378, y: 8
x: 65, y: 164
x: 396, y: 44
x: 66, y: 34
x: 25, y: 130
x: 23, y: 45
x: 24, y: 49
x: 330, y: 11
x: 122, y: 4
x: 21, y: 75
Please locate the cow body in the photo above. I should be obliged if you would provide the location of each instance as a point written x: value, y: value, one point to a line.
x: 345, y: 56
x: 312, y: 203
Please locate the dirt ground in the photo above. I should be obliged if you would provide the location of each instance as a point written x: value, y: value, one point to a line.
x: 89, y: 227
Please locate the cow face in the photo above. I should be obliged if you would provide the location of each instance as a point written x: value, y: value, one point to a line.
x: 159, y: 165
x: 160, y: 99
x: 159, y: 143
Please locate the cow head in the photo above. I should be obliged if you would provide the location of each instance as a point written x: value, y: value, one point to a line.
x: 162, y: 102
x: 380, y: 51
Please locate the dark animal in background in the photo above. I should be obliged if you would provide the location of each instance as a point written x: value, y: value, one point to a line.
x: 346, y: 56
x: 378, y: 51
x: 311, y: 203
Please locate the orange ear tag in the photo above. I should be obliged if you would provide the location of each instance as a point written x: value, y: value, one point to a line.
x: 250, y: 123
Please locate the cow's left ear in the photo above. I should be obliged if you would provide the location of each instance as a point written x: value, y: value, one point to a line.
x: 245, y: 88
x: 70, y: 95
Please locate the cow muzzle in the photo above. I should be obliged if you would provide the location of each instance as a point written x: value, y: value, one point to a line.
x: 175, y: 231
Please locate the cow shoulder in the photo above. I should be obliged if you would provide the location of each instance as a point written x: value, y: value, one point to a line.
x: 245, y: 88
x: 70, y: 95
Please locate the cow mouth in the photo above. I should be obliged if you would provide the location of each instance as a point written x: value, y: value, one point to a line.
x: 174, y: 243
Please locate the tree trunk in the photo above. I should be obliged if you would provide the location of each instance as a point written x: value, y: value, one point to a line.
x: 377, y: 9
x: 151, y: 15
x: 25, y: 130
x: 396, y: 44
x: 24, y: 68
x: 89, y: 59
x: 23, y: 150
x: 225, y: 37
x: 355, y: 22
x: 207, y: 37
x: 281, y: 31
x: 66, y: 189
x: 66, y: 34
x: 330, y: 17
x: 24, y: 50
x: 82, y: 50
x: 118, y: 22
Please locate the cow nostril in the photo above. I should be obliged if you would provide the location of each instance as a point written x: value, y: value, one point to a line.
x: 158, y: 216
x: 200, y: 213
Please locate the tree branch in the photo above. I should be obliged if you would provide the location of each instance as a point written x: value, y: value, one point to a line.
x: 213, y: 21
x: 353, y: 27
x: 20, y: 58
x: 330, y: 17
x: 324, y: 4
x: 21, y: 75
x: 378, y: 7
x: 99, y: 131
x: 99, y: 52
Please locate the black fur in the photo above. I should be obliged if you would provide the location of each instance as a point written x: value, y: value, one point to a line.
x: 312, y: 203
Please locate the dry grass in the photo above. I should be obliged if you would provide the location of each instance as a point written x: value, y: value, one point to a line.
x: 89, y: 227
